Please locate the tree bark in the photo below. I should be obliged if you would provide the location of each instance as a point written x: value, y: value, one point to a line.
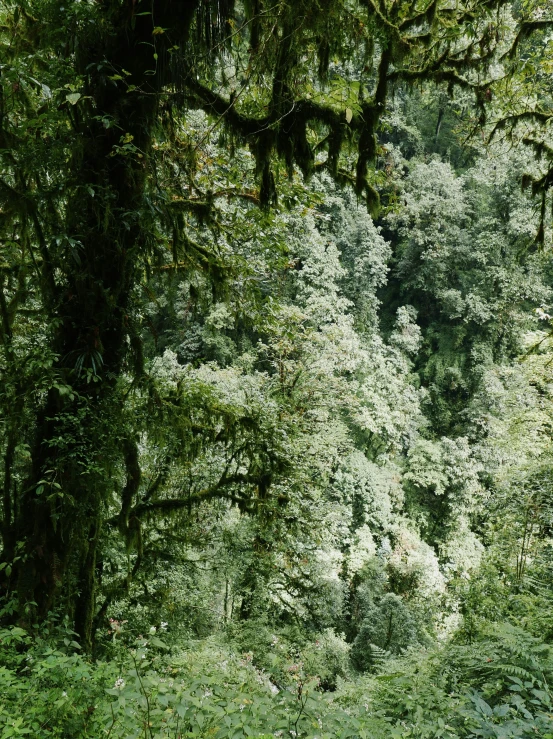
x: 78, y: 436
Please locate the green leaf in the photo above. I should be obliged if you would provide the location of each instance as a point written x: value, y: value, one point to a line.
x: 158, y: 643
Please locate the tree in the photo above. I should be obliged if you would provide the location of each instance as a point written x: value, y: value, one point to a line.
x: 460, y: 261
x: 522, y: 109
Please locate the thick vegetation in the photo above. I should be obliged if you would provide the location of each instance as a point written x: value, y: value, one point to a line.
x: 276, y: 369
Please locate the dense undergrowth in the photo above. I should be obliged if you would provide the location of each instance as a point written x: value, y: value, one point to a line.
x: 257, y: 679
x: 497, y: 685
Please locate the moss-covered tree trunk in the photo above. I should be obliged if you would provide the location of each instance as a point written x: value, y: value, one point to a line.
x: 78, y: 436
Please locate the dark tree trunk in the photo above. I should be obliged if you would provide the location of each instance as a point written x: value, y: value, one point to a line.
x: 60, y: 520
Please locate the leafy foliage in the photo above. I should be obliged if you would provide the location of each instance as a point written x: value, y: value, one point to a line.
x: 275, y: 370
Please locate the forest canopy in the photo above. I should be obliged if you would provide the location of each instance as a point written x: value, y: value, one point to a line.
x: 276, y: 391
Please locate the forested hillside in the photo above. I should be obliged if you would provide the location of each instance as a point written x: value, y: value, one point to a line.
x: 276, y: 369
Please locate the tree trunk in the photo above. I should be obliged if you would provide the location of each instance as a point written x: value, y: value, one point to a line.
x: 79, y: 436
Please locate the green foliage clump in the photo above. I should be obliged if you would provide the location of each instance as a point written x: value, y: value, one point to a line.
x: 387, y: 627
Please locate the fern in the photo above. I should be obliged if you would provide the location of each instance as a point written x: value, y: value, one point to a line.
x: 508, y: 670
